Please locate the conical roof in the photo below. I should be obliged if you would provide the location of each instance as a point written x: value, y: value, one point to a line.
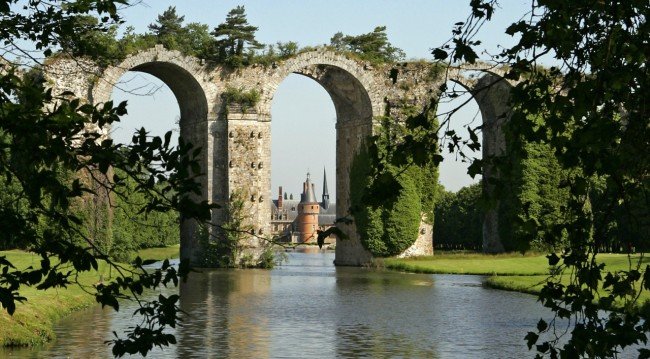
x: 309, y: 196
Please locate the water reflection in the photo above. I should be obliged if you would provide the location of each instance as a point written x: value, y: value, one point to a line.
x: 222, y: 317
x: 308, y: 308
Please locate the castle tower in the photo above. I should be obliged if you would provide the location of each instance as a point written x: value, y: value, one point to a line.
x: 308, y: 210
x: 326, y: 194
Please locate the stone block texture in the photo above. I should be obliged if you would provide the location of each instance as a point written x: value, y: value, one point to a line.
x: 236, y: 140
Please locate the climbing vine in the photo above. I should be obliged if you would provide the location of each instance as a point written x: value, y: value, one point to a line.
x: 388, y: 226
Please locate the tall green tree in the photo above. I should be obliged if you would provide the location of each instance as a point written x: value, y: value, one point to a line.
x: 536, y: 196
x: 197, y: 40
x: 459, y: 219
x: 388, y: 224
x: 591, y: 108
x: 234, y: 37
x: 373, y: 46
x: 133, y: 228
x: 45, y: 135
x: 88, y: 37
x: 168, y: 28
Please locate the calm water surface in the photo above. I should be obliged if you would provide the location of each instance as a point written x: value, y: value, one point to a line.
x: 307, y: 308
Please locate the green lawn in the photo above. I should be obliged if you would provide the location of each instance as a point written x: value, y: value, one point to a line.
x: 33, y: 320
x: 160, y: 253
x: 480, y: 264
x: 513, y: 272
x: 485, y: 264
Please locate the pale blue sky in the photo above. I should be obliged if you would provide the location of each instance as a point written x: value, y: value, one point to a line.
x: 302, y: 111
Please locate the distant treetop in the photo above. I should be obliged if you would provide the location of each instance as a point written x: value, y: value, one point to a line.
x: 231, y: 43
x: 373, y: 46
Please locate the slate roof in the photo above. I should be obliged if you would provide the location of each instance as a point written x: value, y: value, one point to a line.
x: 290, y: 205
x: 326, y: 217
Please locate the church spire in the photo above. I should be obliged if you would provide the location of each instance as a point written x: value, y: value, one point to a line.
x: 326, y: 194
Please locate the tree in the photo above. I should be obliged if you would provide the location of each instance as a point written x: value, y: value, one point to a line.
x: 54, y: 161
x: 89, y: 39
x: 287, y: 49
x: 533, y: 181
x: 132, y: 42
x: 591, y: 108
x: 194, y: 39
x: 388, y: 224
x: 373, y: 46
x: 197, y: 40
x: 459, y: 219
x: 134, y: 229
x: 233, y: 37
x: 168, y: 28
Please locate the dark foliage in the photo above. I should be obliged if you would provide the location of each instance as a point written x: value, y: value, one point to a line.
x: 591, y: 109
x: 391, y: 195
x: 373, y: 46
x: 53, y: 160
x: 234, y: 39
x: 458, y: 221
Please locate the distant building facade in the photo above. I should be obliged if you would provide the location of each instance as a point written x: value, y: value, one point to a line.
x: 298, y: 221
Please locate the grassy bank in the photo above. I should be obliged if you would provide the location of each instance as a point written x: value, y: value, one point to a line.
x: 160, y: 253
x: 32, y: 323
x: 479, y: 264
x: 512, y: 272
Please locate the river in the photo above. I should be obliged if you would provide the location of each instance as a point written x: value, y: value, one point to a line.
x: 307, y: 308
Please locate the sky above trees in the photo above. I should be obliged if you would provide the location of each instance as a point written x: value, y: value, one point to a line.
x: 301, y: 106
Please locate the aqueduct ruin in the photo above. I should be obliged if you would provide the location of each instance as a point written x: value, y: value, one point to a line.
x: 235, y: 140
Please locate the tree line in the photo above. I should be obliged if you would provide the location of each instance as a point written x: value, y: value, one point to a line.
x: 534, y: 194
x: 230, y: 43
x: 595, y: 126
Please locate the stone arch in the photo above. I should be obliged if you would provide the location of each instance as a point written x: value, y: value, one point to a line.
x: 349, y: 83
x: 491, y: 91
x: 357, y: 101
x: 185, y: 76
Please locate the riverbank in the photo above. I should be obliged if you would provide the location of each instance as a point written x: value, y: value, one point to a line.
x: 33, y: 321
x: 513, y: 272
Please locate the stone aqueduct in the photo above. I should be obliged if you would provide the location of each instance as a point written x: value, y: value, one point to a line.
x: 236, y: 142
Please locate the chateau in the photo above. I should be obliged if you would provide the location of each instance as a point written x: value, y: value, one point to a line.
x: 297, y: 221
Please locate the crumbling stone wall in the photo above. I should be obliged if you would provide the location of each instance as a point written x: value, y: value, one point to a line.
x: 236, y: 140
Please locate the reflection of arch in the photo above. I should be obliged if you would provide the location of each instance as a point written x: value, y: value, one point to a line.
x: 492, y: 94
x: 184, y: 76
